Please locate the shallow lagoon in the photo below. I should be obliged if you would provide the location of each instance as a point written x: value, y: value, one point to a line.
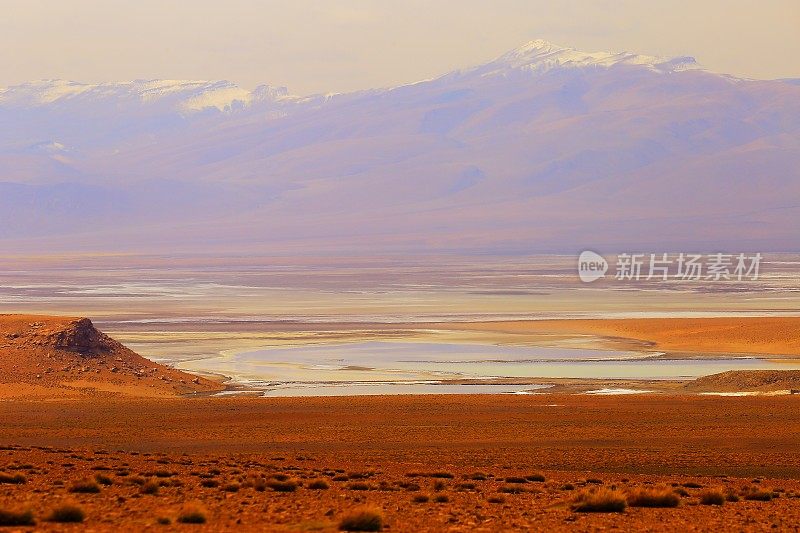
x: 386, y: 367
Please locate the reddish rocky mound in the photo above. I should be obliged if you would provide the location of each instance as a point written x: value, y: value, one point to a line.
x: 748, y: 380
x: 45, y: 356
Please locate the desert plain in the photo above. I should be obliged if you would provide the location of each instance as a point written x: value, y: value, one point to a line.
x: 88, y: 427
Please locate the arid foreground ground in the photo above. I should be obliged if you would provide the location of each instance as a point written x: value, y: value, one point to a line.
x: 434, y: 463
x: 94, y: 433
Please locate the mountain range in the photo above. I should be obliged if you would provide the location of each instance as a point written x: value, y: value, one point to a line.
x: 544, y: 149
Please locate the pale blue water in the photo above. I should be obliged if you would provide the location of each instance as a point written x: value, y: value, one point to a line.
x: 385, y: 367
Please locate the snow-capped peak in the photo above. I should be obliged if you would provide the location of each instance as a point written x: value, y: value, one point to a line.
x: 541, y: 56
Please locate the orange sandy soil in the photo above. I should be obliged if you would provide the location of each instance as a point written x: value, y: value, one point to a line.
x: 384, y: 444
x: 752, y: 335
x: 76, y: 405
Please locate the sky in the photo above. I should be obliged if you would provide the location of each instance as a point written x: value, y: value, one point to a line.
x: 344, y: 45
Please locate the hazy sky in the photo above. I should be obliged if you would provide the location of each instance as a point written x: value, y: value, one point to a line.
x: 315, y: 46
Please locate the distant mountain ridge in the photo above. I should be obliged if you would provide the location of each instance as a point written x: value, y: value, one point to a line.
x: 545, y: 148
x: 187, y: 96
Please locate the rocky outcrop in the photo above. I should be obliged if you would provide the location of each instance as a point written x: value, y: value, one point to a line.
x: 82, y: 337
x: 64, y: 356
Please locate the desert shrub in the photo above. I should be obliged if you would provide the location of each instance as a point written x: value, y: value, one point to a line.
x: 319, y: 484
x: 712, y: 497
x: 441, y: 498
x: 209, y: 483
x: 594, y: 481
x: 439, y: 485
x: 16, y: 518
x: 231, y: 487
x: 280, y: 477
x: 363, y: 519
x: 12, y: 479
x: 680, y: 491
x: 85, y: 487
x: 466, y: 486
x: 692, y: 485
x: 260, y: 484
x: 103, y: 479
x: 536, y: 476
x: 496, y: 499
x: 163, y: 520
x: 514, y: 479
x: 420, y: 498
x: 288, y: 485
x: 511, y: 489
x: 191, y: 515
x: 599, y: 500
x: 359, y: 485
x: 66, y: 513
x: 661, y: 497
x: 441, y: 475
x: 731, y: 496
x: 567, y: 486
x: 151, y: 487
x: 758, y: 495
x: 478, y: 476
x: 341, y: 478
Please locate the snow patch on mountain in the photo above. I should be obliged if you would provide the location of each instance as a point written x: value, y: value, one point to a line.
x: 180, y: 95
x: 540, y: 56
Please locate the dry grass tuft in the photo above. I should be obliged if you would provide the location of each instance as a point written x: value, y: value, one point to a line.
x: 103, y: 479
x: 731, y: 496
x: 319, y: 484
x: 67, y: 513
x: 231, y: 487
x: 599, y: 500
x: 712, y: 497
x: 16, y: 518
x: 362, y: 519
x: 12, y: 479
x: 759, y: 495
x: 192, y: 514
x: 151, y: 487
x: 85, y: 487
x: 658, y: 497
x: 288, y: 485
